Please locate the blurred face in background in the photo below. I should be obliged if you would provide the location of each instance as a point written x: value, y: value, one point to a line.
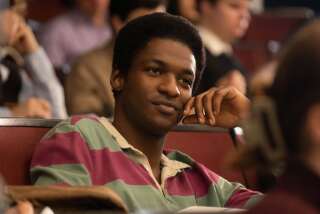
x: 188, y: 10
x: 93, y: 7
x: 145, y: 11
x: 117, y: 23
x: 229, y: 19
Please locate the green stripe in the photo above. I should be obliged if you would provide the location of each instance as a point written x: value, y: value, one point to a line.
x: 93, y: 133
x: 73, y: 174
x: 179, y: 156
x: 219, y: 193
x: 147, y: 197
x: 254, y: 200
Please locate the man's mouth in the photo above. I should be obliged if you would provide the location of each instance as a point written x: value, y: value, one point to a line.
x: 166, y: 108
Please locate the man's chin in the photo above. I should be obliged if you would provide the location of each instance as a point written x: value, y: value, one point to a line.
x: 162, y: 127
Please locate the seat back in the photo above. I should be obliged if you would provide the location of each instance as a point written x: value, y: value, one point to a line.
x: 18, y: 137
x: 207, y: 145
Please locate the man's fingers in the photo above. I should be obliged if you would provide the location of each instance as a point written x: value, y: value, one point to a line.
x: 198, y: 106
x: 192, y: 119
x: 188, y: 106
x: 207, y: 102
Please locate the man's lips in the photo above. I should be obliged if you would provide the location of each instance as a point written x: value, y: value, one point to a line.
x: 166, y: 107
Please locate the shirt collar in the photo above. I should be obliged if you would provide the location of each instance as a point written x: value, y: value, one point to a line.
x: 213, y: 43
x: 123, y: 143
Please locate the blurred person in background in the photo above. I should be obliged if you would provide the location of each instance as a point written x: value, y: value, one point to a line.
x: 91, y: 72
x: 283, y: 134
x: 221, y: 23
x: 28, y: 85
x: 81, y: 29
x: 187, y: 9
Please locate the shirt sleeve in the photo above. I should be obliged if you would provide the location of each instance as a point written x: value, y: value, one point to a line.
x: 62, y: 158
x: 45, y: 83
x: 237, y: 196
x: 223, y: 193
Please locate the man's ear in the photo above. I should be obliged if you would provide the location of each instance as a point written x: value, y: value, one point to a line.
x: 117, y: 80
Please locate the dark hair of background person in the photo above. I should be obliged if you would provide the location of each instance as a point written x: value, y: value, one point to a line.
x: 296, y: 86
x: 312, y: 4
x: 173, y: 7
x: 69, y: 4
x: 122, y: 8
x: 137, y: 33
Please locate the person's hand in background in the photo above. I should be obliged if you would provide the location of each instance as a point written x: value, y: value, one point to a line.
x: 22, y: 207
x: 16, y: 33
x: 33, y: 107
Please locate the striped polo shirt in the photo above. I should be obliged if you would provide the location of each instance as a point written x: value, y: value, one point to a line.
x: 87, y: 150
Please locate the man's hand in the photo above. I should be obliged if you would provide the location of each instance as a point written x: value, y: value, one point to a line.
x: 33, y: 107
x: 17, y: 33
x: 223, y: 107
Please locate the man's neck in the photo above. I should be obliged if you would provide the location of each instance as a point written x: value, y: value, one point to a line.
x: 150, y: 145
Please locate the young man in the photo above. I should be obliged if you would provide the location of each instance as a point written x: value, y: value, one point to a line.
x: 157, y: 61
x: 221, y: 23
x: 90, y: 71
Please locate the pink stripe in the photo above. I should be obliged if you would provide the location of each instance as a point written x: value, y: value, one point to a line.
x: 76, y: 118
x: 239, y: 198
x: 119, y: 167
x: 62, y: 149
x: 195, y: 181
x: 103, y: 165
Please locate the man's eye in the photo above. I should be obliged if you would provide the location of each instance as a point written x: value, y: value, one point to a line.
x: 186, y: 82
x: 153, y: 71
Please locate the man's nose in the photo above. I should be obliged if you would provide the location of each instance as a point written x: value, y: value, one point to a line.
x: 169, y: 86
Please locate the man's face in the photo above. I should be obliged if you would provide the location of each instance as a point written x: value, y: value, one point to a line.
x: 230, y: 18
x: 157, y: 85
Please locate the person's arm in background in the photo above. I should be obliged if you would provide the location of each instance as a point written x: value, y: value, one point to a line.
x: 87, y: 87
x: 44, y: 82
x: 32, y: 107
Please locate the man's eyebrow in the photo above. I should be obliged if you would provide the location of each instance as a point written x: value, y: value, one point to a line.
x: 188, y: 72
x: 157, y: 61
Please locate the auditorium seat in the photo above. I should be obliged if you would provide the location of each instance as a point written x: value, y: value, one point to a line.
x: 266, y: 34
x: 209, y: 146
x: 18, y: 137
